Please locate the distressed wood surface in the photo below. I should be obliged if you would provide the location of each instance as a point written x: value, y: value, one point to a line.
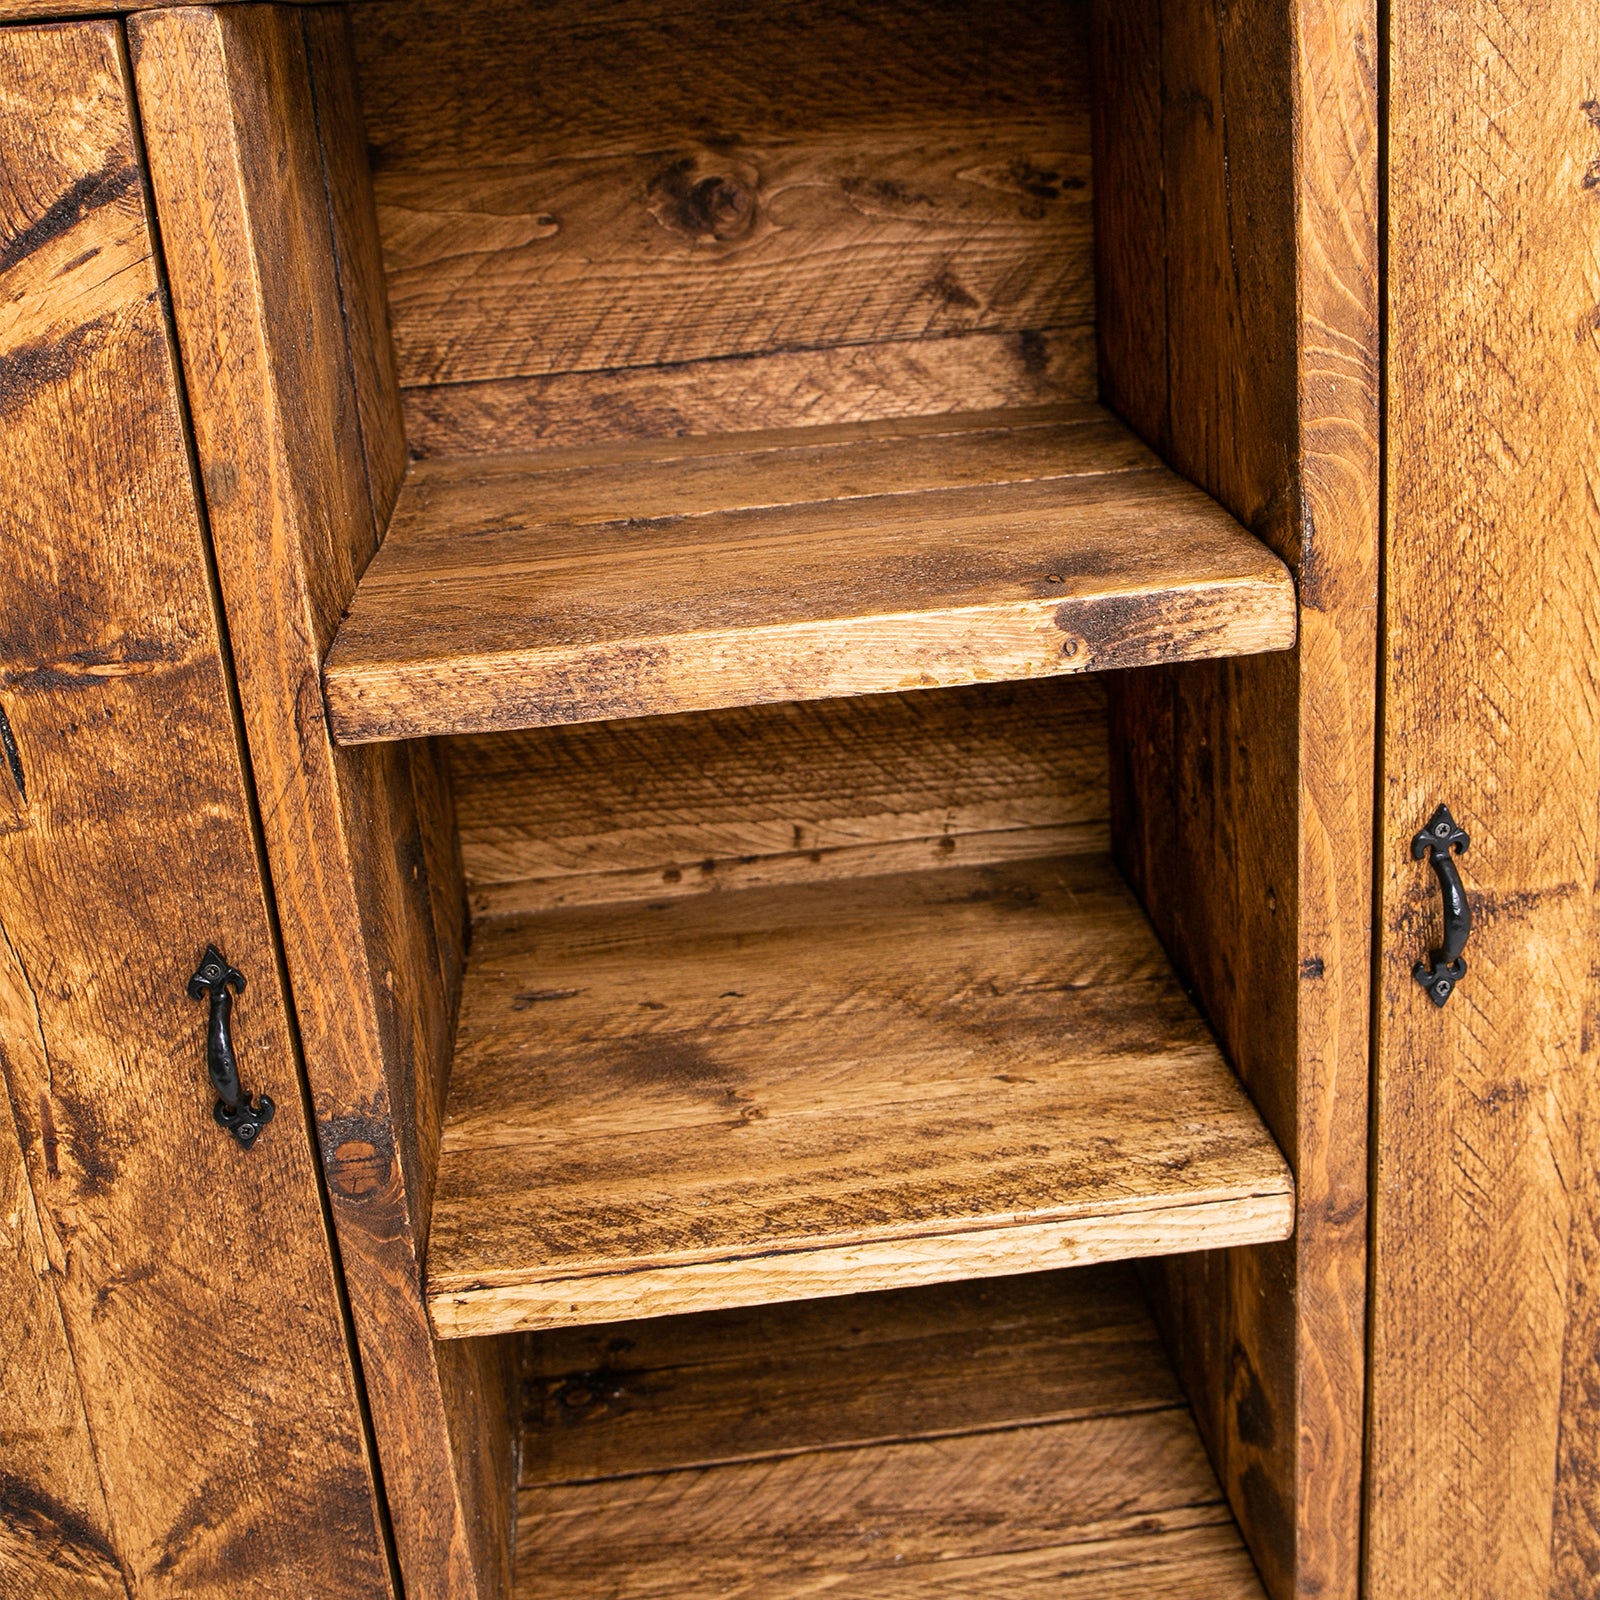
x: 55, y: 1529
x: 1236, y: 229
x: 211, y: 1442
x: 609, y: 190
x: 753, y: 798
x: 798, y: 1092
x: 782, y: 389
x: 1483, y: 1463
x: 249, y: 131
x: 1021, y: 1436
x: 50, y: 10
x: 758, y: 568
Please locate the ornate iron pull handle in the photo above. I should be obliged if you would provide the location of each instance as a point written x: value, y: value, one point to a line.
x: 213, y: 979
x: 1441, y: 841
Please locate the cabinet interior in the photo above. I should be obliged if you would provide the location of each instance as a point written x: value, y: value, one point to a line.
x: 761, y: 557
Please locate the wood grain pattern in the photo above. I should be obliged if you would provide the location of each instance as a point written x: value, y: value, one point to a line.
x: 758, y: 568
x: 1238, y: 250
x: 1482, y: 1457
x: 816, y: 790
x: 279, y: 345
x: 49, y: 10
x: 781, y: 389
x: 55, y: 1529
x: 1016, y: 1437
x: 790, y: 1093
x: 767, y: 1381
x: 569, y: 190
x: 192, y: 1281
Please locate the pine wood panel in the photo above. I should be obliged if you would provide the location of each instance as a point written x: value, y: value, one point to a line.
x: 769, y: 1381
x: 564, y: 189
x: 281, y: 338
x: 1482, y: 1455
x: 1237, y: 236
x: 1017, y: 1437
x: 772, y: 567
x: 789, y: 1093
x: 781, y: 389
x: 750, y: 798
x: 55, y: 1530
x: 191, y: 1281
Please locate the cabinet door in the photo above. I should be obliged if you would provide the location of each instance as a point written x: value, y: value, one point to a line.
x: 1484, y: 1450
x: 179, y: 1409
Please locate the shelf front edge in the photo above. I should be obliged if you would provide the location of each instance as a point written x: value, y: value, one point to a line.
x: 804, y: 1273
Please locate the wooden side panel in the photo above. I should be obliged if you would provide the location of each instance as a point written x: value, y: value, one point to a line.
x: 728, y: 215
x: 282, y: 344
x: 1484, y: 1462
x: 1242, y: 790
x: 191, y: 1280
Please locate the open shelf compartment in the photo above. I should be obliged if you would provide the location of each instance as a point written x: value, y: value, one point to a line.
x: 625, y: 580
x: 1023, y: 1436
x: 778, y: 1094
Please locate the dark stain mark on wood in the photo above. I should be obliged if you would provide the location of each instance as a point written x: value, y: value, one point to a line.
x: 8, y: 743
x: 85, y: 669
x: 26, y: 1509
x: 948, y: 291
x: 87, y: 1139
x: 49, y: 1137
x: 1312, y: 967
x: 1253, y: 1420
x: 28, y: 368
x: 89, y: 193
x: 533, y: 997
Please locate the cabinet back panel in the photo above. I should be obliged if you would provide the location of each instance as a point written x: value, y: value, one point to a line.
x: 667, y: 806
x: 629, y: 220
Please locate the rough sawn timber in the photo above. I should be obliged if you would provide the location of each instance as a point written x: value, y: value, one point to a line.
x: 685, y: 575
x: 779, y: 1094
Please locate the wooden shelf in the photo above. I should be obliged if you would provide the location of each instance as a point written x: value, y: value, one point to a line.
x: 778, y: 1094
x: 629, y: 580
x: 1020, y: 1437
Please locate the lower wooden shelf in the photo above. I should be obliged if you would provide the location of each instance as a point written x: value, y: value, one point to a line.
x: 1014, y: 1437
x: 822, y: 1089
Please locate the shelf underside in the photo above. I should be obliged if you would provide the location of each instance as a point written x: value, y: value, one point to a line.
x: 1019, y: 1437
x: 778, y: 1094
x: 630, y: 580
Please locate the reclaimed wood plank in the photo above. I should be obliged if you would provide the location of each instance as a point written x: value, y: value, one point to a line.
x: 1482, y: 1458
x: 757, y: 797
x: 798, y: 1092
x: 194, y: 1282
x: 870, y: 173
x: 780, y: 389
x: 277, y: 355
x: 1015, y: 1437
x: 1242, y: 790
x: 558, y: 588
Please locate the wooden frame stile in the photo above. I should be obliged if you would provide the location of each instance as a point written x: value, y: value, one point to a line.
x: 259, y: 166
x: 1236, y: 175
x: 1484, y: 1406
x: 179, y: 1412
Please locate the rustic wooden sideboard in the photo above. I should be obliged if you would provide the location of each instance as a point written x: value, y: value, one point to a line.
x: 719, y: 733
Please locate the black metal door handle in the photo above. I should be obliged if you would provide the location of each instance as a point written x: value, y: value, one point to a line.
x: 214, y: 979
x: 1441, y: 841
